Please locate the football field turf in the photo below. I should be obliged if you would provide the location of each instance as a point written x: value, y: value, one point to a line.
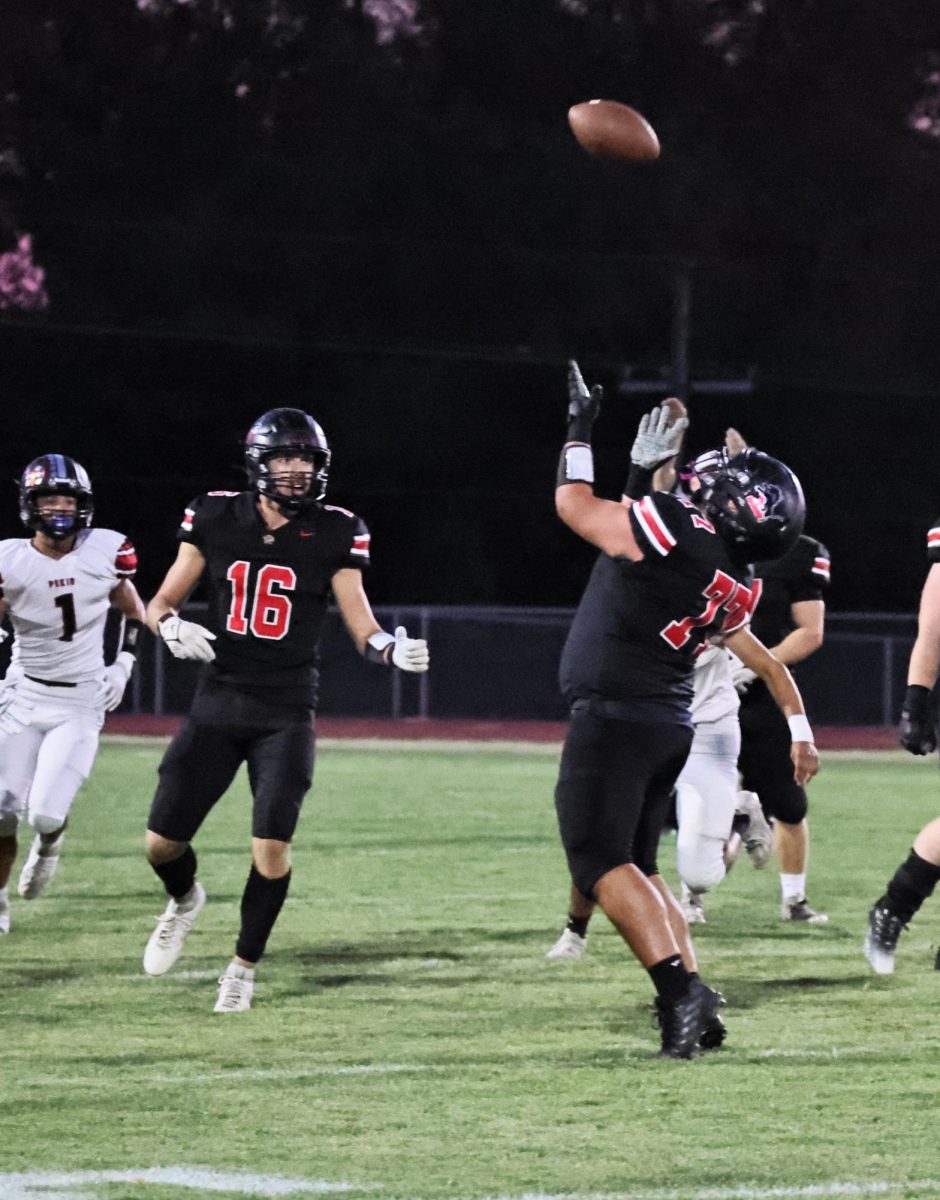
x: 409, y: 1039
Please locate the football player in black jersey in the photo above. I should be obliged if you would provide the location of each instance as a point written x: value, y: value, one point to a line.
x: 915, y: 879
x: 789, y: 619
x: 270, y: 558
x: 671, y: 571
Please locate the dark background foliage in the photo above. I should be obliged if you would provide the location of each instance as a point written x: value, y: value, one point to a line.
x: 247, y: 204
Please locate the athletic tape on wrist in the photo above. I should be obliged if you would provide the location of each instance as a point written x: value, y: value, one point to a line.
x: 376, y: 647
x: 576, y: 465
x: 800, y: 730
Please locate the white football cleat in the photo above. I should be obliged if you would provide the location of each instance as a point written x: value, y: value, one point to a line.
x: 38, y: 868
x: 569, y: 945
x: 235, y: 989
x: 758, y: 837
x: 166, y: 941
x: 4, y: 910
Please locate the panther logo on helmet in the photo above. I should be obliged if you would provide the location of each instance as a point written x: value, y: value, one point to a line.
x: 56, y: 475
x: 279, y: 433
x: 756, y: 504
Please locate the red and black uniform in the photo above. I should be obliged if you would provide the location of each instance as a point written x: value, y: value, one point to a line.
x: 268, y: 592
x: 626, y: 673
x: 764, y: 762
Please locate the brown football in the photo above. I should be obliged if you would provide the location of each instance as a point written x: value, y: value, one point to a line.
x: 609, y: 129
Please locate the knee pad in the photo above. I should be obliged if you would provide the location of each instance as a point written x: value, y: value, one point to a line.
x: 701, y: 862
x: 699, y: 854
x: 9, y: 822
x: 45, y: 825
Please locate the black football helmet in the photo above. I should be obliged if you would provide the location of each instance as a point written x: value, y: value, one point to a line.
x: 282, y: 431
x: 56, y: 475
x: 756, y: 504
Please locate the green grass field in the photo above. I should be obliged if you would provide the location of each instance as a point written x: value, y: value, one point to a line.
x: 409, y: 1039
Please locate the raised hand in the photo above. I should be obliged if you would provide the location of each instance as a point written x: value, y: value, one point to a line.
x: 584, y: 406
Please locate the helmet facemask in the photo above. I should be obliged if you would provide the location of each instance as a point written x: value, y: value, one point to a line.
x: 56, y: 475
x: 282, y: 485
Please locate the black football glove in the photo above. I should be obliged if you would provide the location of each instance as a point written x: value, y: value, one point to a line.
x: 917, y: 732
x: 583, y: 405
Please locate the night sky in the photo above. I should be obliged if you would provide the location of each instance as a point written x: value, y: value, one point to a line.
x: 376, y: 211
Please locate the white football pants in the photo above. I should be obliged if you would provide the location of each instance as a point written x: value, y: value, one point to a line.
x: 706, y: 797
x: 45, y: 764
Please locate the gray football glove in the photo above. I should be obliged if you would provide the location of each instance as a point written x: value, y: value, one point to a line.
x: 656, y: 440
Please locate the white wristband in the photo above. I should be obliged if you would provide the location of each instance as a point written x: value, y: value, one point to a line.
x: 579, y: 464
x: 800, y: 730
x: 381, y: 641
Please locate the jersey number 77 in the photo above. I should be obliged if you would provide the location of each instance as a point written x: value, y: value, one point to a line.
x: 737, y: 599
x: 267, y: 599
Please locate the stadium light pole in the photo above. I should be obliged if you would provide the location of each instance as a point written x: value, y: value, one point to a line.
x: 678, y: 380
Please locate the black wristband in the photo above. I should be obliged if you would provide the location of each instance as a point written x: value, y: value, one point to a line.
x: 917, y: 702
x: 639, y: 482
x: 579, y: 428
x: 378, y: 649
x: 132, y: 630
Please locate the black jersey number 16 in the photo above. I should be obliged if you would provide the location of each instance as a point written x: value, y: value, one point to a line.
x: 270, y: 607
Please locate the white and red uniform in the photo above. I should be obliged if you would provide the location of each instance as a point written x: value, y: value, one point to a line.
x: 58, y: 608
x: 706, y: 790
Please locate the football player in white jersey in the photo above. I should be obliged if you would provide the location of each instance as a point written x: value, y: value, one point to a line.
x: 56, y: 587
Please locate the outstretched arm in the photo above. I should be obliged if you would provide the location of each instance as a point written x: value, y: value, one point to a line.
x: 781, y: 685
x: 184, y: 639
x: 917, y: 732
x: 604, y: 523
x: 369, y: 638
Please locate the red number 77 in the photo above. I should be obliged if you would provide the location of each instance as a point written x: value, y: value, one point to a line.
x: 738, y: 601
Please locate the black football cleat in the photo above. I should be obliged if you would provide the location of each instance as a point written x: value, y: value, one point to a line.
x: 684, y: 1024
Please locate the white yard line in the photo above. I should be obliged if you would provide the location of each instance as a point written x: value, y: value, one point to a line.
x: 242, y: 1075
x: 77, y: 1185
x: 813, y: 1191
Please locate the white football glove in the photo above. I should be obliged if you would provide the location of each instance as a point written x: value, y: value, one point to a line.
x: 742, y: 677
x: 14, y: 710
x: 111, y: 688
x: 656, y: 440
x: 409, y: 654
x: 186, y: 639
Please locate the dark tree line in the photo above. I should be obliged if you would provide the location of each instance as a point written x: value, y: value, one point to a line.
x: 239, y: 202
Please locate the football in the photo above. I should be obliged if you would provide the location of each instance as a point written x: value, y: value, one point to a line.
x: 677, y: 409
x: 609, y: 129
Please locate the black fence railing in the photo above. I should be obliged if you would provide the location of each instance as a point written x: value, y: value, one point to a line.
x: 502, y: 663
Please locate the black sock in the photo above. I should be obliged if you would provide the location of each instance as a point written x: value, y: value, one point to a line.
x: 913, y: 882
x: 179, y: 875
x: 578, y: 925
x: 670, y: 978
x: 261, y: 902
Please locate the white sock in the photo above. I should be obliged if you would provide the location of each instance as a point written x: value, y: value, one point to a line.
x: 5, y: 893
x: 237, y: 971
x: 793, y: 887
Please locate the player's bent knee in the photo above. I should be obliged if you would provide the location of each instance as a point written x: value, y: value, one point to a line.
x: 272, y: 858
x: 161, y: 850
x: 701, y: 866
x: 44, y: 824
